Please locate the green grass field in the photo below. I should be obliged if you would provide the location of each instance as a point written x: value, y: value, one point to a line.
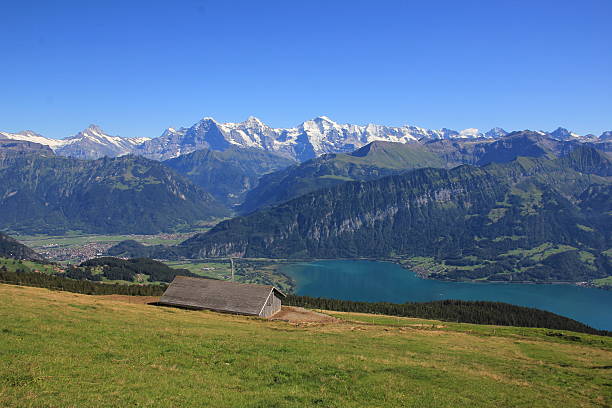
x: 60, y: 349
x: 13, y: 265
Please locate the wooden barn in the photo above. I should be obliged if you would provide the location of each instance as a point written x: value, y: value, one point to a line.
x: 223, y: 296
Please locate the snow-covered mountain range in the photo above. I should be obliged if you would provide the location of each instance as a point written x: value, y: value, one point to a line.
x: 91, y: 143
x: 307, y: 140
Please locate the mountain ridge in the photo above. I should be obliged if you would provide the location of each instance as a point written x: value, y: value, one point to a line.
x: 307, y: 140
x: 381, y: 158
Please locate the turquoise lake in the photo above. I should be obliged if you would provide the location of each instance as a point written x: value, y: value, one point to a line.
x: 371, y: 281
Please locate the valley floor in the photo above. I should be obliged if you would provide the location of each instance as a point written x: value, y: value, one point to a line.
x: 61, y: 349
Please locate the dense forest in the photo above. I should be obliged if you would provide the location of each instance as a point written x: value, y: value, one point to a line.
x: 127, y: 270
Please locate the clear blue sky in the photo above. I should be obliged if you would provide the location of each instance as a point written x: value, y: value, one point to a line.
x: 136, y: 68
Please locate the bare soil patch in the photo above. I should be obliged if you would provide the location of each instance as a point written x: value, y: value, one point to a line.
x: 295, y: 314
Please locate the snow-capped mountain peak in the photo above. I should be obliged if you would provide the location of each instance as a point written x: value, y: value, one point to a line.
x: 320, y: 123
x: 93, y: 142
x: 495, y: 133
x: 91, y: 132
x: 253, y: 121
x: 563, y: 134
x: 323, y: 118
x: 172, y: 131
x: 94, y: 129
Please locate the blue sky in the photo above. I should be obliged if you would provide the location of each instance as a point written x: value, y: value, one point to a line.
x: 136, y: 68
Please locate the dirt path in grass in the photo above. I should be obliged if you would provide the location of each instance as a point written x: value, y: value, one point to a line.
x: 294, y: 314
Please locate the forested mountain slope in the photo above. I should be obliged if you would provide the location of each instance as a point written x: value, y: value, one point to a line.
x: 46, y: 193
x: 487, y: 220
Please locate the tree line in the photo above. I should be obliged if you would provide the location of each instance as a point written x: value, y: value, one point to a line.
x: 87, y: 287
x: 460, y: 311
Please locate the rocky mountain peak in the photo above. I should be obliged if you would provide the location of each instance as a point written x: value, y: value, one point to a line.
x: 252, y: 120
x: 562, y: 134
x: 495, y: 133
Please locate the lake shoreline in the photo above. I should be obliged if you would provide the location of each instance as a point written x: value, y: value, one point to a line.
x: 387, y: 281
x: 424, y: 275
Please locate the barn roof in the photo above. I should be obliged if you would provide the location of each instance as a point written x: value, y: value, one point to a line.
x: 199, y: 293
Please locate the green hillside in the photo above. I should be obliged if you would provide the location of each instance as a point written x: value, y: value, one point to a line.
x: 67, y: 350
x: 51, y: 194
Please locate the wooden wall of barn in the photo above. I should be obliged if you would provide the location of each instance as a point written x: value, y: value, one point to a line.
x: 273, y: 305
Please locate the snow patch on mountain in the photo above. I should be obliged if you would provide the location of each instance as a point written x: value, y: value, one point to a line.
x: 30, y: 136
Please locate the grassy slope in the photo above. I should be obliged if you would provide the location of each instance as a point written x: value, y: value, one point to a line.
x: 13, y: 265
x: 62, y: 349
